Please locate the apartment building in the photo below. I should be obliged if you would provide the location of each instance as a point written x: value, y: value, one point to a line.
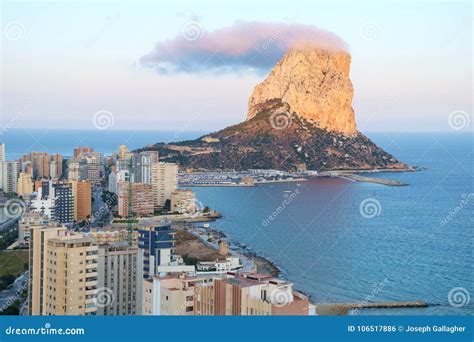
x: 142, y: 199
x: 172, y: 295
x: 120, y: 268
x: 71, y: 273
x: 249, y: 294
x: 82, y: 199
x: 183, y: 201
x: 158, y: 243
x: 164, y: 181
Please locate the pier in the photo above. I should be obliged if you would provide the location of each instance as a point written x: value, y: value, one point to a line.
x: 344, y: 308
x: 358, y: 178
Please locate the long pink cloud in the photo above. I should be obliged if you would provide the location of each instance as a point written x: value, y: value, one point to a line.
x: 244, y: 45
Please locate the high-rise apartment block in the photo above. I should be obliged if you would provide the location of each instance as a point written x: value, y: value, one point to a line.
x: 82, y: 199
x: 62, y: 272
x: 164, y: 181
x: 120, y: 268
x: 141, y: 202
x: 158, y: 243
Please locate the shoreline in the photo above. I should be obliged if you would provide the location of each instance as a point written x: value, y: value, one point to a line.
x: 253, y: 261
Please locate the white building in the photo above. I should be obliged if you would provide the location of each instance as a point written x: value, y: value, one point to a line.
x: 45, y: 201
x: 219, y: 266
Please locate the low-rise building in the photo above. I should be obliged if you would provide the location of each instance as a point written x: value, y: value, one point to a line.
x: 249, y: 294
x: 183, y: 201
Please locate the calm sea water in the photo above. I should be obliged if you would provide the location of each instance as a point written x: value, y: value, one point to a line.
x: 418, y: 246
x: 20, y: 141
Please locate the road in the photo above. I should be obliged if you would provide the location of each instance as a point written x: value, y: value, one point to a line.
x: 8, y: 296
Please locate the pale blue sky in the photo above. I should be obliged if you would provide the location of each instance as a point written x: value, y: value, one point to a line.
x: 76, y: 58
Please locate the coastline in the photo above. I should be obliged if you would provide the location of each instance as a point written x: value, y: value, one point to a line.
x: 252, y: 261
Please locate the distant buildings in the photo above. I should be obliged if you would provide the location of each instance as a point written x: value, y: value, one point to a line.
x: 86, y: 165
x: 55, y: 201
x: 77, y: 170
x: 158, y: 244
x: 79, y: 151
x: 26, y: 223
x: 45, y: 201
x: 142, y: 166
x: 82, y: 199
x: 183, y: 201
x: 11, y: 171
x: 63, y: 203
x: 25, y: 185
x: 42, y: 164
x: 2, y: 160
x: 164, y: 181
x: 141, y: 202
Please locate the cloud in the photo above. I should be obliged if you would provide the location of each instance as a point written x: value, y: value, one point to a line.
x: 241, y: 47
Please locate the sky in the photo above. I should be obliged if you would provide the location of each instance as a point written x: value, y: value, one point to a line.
x: 104, y: 64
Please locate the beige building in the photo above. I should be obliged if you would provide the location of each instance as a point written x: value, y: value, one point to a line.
x: 142, y: 199
x: 72, y: 275
x: 82, y: 196
x: 62, y: 272
x: 172, y: 294
x: 164, y: 181
x: 123, y: 152
x: 27, y: 222
x: 120, y: 285
x: 38, y: 262
x: 249, y: 294
x: 245, y: 294
x: 183, y: 201
x: 113, y: 236
x: 40, y: 164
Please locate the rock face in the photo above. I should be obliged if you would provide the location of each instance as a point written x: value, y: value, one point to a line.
x: 315, y: 85
x: 300, y: 115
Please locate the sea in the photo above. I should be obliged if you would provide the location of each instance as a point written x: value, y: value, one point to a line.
x: 337, y: 240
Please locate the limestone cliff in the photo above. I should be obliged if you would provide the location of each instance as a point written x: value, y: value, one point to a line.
x: 316, y: 86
